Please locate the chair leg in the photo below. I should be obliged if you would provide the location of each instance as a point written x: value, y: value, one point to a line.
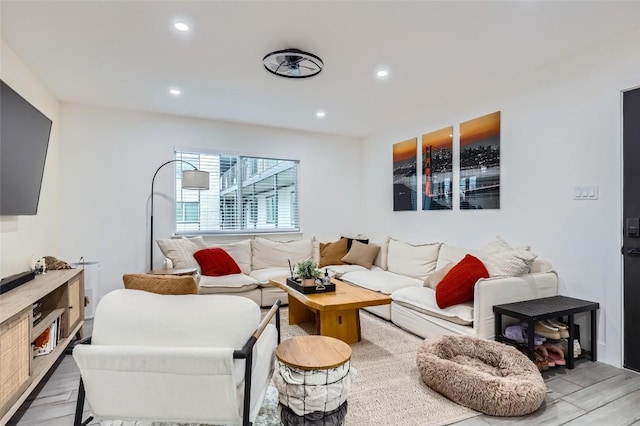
x: 80, y: 407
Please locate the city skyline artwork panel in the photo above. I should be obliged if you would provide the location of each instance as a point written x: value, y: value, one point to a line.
x: 437, y: 169
x: 405, y: 178
x: 480, y: 163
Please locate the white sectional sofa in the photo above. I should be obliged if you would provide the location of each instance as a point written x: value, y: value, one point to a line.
x: 400, y: 270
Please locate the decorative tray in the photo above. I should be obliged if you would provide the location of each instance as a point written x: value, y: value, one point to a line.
x: 310, y: 290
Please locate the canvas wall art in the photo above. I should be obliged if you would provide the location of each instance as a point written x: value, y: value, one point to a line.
x: 437, y: 169
x: 480, y: 163
x: 405, y: 179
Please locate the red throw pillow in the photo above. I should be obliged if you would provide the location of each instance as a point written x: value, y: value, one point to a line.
x: 457, y: 286
x: 215, y: 262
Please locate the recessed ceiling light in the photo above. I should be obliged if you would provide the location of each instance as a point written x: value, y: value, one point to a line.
x: 175, y: 92
x: 382, y: 74
x: 181, y: 26
x: 320, y: 114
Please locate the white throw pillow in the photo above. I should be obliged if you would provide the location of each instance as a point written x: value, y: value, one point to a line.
x: 503, y: 260
x: 268, y: 253
x: 381, y: 257
x: 180, y: 251
x: 448, y: 254
x: 416, y: 261
x: 240, y: 251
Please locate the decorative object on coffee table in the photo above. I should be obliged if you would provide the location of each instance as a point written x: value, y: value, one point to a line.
x: 484, y: 375
x: 307, y: 271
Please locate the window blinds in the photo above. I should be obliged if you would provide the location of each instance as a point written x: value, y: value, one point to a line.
x: 247, y: 194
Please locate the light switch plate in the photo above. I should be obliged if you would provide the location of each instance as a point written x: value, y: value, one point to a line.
x: 587, y: 192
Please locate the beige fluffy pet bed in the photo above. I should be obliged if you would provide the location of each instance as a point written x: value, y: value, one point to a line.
x: 484, y: 375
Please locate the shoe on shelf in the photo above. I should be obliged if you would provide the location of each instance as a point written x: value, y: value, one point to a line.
x: 542, y: 356
x: 518, y: 333
x: 555, y: 354
x: 537, y: 338
x: 563, y: 329
x: 546, y: 331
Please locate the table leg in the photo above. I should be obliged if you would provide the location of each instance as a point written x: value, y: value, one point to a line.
x: 570, y: 359
x: 594, y: 337
x: 498, y: 326
x: 299, y: 313
x: 531, y: 341
x: 343, y: 325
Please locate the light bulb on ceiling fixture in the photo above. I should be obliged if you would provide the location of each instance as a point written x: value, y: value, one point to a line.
x: 175, y: 92
x: 181, y: 26
x: 382, y: 74
x: 320, y: 114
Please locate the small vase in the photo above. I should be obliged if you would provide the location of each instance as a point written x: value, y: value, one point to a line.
x: 308, y: 282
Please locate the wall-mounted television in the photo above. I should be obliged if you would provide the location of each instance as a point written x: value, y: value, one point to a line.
x: 24, y: 140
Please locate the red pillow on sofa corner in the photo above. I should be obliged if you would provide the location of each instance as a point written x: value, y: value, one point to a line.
x: 457, y: 286
x: 215, y: 262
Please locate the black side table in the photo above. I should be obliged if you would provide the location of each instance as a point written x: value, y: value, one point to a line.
x: 546, y: 308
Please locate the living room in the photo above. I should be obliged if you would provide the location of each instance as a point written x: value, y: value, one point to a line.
x: 556, y: 118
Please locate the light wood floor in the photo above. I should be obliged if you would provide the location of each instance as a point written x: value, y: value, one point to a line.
x: 591, y: 394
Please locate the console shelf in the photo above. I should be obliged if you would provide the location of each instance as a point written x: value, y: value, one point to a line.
x: 59, y: 294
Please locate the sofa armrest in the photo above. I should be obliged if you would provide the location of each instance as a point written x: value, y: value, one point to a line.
x: 498, y: 290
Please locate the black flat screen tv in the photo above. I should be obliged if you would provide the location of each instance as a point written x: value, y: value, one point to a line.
x: 24, y: 140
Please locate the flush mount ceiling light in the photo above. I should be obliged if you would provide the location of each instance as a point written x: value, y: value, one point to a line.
x: 382, y: 74
x: 292, y: 63
x: 181, y: 26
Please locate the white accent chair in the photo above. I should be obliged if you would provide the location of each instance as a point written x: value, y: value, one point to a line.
x: 181, y: 359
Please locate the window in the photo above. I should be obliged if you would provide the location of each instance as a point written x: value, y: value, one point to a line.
x: 271, y: 209
x: 247, y: 194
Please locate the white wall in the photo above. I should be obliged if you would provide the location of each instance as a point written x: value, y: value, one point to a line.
x: 24, y: 236
x: 560, y: 129
x: 109, y: 157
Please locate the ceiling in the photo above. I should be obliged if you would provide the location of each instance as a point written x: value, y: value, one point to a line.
x: 126, y: 54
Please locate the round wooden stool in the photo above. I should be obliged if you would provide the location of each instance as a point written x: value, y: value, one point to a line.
x: 313, y: 378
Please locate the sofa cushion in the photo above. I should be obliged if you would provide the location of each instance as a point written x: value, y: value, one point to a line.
x: 361, y: 254
x: 423, y: 300
x: 339, y: 270
x: 180, y: 251
x: 268, y: 253
x: 161, y: 284
x: 232, y: 282
x: 383, y: 281
x: 215, y: 262
x: 416, y: 261
x: 381, y: 258
x: 457, y: 286
x: 332, y: 253
x: 240, y: 251
x: 436, y: 276
x: 449, y: 253
x: 262, y: 276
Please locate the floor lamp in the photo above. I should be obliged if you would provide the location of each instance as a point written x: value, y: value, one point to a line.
x: 191, y: 179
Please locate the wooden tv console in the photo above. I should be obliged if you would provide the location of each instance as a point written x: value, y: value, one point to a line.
x: 61, y: 294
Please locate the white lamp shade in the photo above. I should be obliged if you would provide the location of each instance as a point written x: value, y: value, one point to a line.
x: 195, y: 179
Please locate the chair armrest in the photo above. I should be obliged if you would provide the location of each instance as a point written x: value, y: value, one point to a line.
x: 248, y: 346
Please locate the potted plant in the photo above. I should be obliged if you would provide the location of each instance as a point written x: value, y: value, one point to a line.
x: 308, y: 272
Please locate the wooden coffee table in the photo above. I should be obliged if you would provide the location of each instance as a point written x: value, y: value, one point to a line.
x: 337, y: 313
